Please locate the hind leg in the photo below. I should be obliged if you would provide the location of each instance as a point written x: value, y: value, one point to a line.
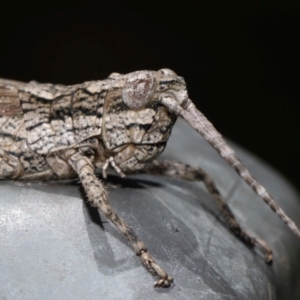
x: 183, y: 171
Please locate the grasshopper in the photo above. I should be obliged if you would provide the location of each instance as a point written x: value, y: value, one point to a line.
x: 52, y: 131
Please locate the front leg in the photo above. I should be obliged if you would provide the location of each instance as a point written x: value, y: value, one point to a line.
x: 97, y: 196
x: 183, y: 171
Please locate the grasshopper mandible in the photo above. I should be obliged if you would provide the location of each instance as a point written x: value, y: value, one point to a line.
x: 124, y: 122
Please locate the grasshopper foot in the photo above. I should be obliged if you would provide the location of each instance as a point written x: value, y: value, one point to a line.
x: 152, y: 267
x: 164, y: 282
x: 265, y: 249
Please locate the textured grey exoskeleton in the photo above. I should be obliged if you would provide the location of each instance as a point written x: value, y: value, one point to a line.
x: 53, y: 131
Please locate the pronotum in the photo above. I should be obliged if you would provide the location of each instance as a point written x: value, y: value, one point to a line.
x: 53, y: 131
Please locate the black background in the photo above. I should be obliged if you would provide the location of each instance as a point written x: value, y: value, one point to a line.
x: 239, y: 58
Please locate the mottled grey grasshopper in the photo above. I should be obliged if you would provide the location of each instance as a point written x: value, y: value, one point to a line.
x: 53, y: 131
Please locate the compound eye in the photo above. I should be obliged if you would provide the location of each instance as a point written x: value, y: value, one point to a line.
x: 138, y: 89
x: 167, y: 72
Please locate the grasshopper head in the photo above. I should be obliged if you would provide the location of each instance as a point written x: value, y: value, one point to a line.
x: 143, y: 87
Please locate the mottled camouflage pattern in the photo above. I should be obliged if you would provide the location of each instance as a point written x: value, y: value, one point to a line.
x: 55, y: 131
